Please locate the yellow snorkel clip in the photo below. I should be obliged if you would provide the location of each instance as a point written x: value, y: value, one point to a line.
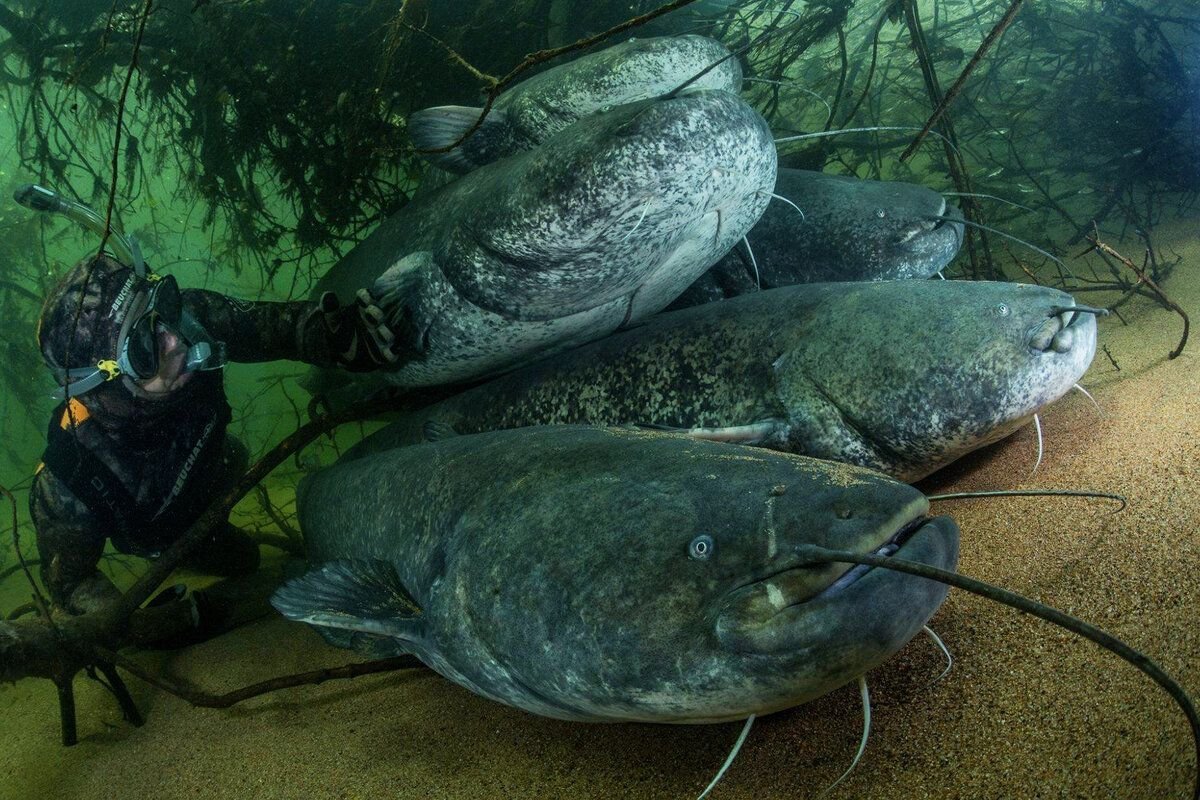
x: 109, y: 368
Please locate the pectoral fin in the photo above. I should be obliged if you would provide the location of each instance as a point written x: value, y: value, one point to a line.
x: 352, y: 595
x: 434, y: 431
x: 397, y: 293
x: 765, y: 432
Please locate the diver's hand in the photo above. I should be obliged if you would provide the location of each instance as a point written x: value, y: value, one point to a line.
x: 358, y: 338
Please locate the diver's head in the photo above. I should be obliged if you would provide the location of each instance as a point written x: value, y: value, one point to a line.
x: 105, y: 321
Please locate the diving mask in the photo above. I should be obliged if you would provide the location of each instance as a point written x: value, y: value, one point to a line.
x: 157, y: 307
x: 154, y: 304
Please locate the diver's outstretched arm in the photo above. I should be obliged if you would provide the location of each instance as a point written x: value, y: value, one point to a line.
x: 324, y: 333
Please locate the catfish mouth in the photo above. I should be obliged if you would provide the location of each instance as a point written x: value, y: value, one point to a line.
x: 1059, y: 331
x: 794, y: 580
x: 856, y: 572
x: 786, y: 611
x: 945, y: 221
x: 888, y: 549
x: 948, y: 216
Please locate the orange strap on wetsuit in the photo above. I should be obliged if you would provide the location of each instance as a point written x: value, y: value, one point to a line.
x: 74, y: 414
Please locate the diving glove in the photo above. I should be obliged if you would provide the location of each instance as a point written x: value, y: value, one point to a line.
x: 358, y: 339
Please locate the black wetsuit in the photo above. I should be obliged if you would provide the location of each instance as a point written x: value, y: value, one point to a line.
x: 140, y: 471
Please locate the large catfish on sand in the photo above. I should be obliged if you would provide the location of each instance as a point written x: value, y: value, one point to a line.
x: 608, y: 575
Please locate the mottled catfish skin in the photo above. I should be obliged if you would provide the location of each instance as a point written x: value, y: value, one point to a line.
x: 899, y: 376
x: 852, y: 230
x: 535, y: 109
x: 600, y: 226
x: 608, y: 575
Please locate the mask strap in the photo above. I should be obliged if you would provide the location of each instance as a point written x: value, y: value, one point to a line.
x: 84, y: 379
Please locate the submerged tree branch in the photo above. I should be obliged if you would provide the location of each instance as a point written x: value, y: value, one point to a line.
x: 315, y: 677
x: 1143, y: 278
x: 58, y: 648
x: 954, y: 90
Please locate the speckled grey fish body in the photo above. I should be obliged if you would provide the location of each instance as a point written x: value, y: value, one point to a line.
x: 536, y: 109
x: 899, y: 376
x: 610, y: 575
x: 600, y: 226
x: 852, y: 230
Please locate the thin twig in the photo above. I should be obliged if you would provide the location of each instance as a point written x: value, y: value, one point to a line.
x: 533, y: 59
x: 38, y: 599
x: 1143, y: 278
x: 264, y: 500
x: 133, y: 63
x: 482, y: 77
x: 950, y: 95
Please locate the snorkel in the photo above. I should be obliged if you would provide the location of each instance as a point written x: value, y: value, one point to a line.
x: 39, y: 198
x: 146, y: 302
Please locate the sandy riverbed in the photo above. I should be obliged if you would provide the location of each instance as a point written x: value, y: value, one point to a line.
x: 1028, y: 711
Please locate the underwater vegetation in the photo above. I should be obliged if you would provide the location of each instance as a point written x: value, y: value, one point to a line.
x: 287, y: 118
x: 280, y: 149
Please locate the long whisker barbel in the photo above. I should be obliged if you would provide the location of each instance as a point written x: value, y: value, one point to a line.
x: 1033, y: 493
x: 795, y: 85
x: 989, y: 197
x: 1099, y: 312
x: 1037, y: 424
x: 785, y: 200
x: 1088, y: 395
x: 820, y: 555
x: 1009, y: 236
x: 823, y: 134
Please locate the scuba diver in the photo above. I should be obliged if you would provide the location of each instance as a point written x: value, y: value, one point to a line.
x: 137, y: 447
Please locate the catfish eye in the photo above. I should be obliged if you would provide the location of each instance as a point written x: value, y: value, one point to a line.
x: 879, y: 212
x: 1001, y: 310
x: 701, y: 548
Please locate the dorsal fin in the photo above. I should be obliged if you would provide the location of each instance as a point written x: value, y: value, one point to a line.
x: 442, y: 126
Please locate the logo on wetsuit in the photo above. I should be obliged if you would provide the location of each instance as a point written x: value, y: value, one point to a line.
x: 187, y: 467
x: 106, y: 496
